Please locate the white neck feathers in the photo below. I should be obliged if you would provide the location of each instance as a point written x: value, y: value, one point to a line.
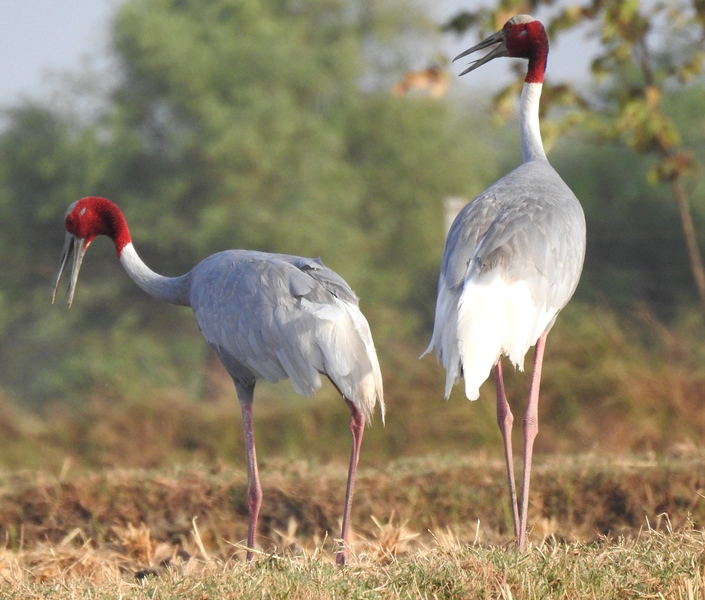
x: 530, y: 130
x: 175, y: 290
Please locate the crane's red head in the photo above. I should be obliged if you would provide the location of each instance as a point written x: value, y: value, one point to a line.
x: 521, y: 37
x: 85, y: 220
x: 93, y: 216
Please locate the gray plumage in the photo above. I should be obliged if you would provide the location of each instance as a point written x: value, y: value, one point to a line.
x: 275, y: 316
x: 527, y: 227
x: 530, y: 226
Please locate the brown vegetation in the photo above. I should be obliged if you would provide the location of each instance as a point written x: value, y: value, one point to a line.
x: 140, y: 521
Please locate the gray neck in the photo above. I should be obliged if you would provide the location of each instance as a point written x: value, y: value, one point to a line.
x: 175, y: 290
x: 530, y: 130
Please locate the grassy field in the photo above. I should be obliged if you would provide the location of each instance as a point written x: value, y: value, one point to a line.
x: 142, y: 496
x: 434, y: 527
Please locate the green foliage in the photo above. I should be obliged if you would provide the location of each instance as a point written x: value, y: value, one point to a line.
x: 234, y: 124
x: 635, y: 253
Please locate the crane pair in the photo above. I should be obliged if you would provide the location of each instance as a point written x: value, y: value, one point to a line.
x: 511, y: 262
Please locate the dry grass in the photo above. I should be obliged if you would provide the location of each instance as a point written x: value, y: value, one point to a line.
x: 144, y: 498
x: 652, y: 565
x: 429, y: 528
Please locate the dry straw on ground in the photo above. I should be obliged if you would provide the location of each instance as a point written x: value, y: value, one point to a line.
x: 432, y: 528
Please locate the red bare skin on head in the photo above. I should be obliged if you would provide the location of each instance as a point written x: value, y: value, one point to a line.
x: 528, y: 40
x: 94, y: 216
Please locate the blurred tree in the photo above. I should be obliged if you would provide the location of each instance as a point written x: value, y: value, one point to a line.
x: 264, y: 124
x: 647, y: 52
x: 272, y: 124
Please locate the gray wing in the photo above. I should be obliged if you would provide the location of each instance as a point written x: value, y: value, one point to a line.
x: 273, y: 316
x: 322, y: 276
x: 530, y: 225
x: 527, y: 226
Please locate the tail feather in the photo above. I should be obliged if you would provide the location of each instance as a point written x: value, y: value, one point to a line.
x: 349, y: 357
x: 479, y: 323
x: 444, y: 340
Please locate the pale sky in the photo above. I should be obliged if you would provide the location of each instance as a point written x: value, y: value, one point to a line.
x: 43, y: 40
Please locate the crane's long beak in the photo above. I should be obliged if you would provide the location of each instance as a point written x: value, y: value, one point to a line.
x: 76, y: 246
x: 500, y: 50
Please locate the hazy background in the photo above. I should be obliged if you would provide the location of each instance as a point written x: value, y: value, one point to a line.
x: 45, y: 41
x: 214, y: 129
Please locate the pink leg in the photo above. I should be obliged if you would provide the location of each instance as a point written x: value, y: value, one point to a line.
x: 254, y: 490
x: 531, y: 428
x: 357, y: 428
x: 505, y: 419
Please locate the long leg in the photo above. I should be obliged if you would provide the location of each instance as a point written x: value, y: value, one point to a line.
x: 254, y: 490
x: 357, y: 428
x: 505, y: 419
x: 531, y: 428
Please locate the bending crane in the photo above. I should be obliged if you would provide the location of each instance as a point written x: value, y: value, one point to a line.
x: 267, y: 316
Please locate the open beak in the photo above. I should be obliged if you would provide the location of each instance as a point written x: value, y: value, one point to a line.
x: 499, y: 50
x: 76, y: 246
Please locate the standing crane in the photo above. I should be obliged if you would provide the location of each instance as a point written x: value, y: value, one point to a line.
x: 511, y: 262
x: 267, y: 316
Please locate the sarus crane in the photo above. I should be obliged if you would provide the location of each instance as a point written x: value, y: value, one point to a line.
x: 267, y: 316
x: 511, y: 262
